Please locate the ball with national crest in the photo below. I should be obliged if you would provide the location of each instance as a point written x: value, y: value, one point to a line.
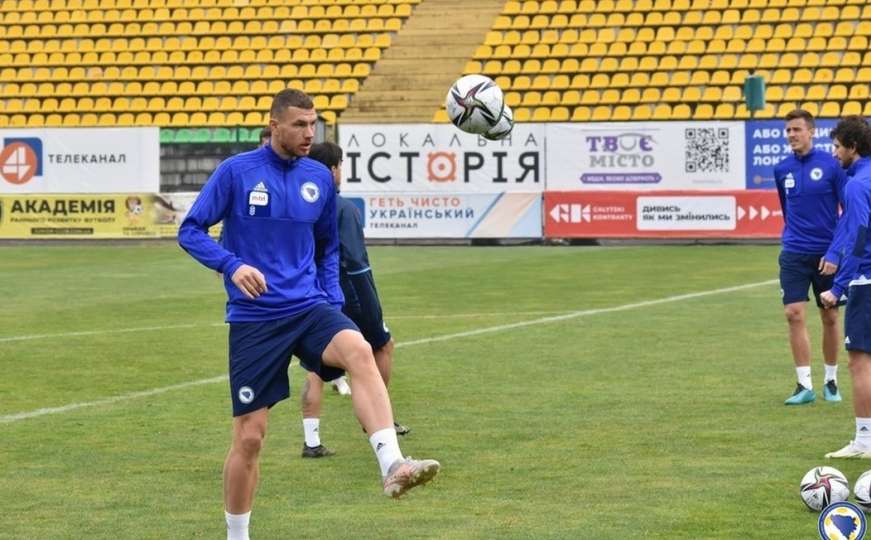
x: 475, y: 103
x: 822, y: 486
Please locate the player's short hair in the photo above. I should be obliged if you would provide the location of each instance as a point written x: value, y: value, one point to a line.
x: 854, y: 132
x: 330, y: 154
x: 801, y: 113
x: 265, y: 133
x: 289, y: 97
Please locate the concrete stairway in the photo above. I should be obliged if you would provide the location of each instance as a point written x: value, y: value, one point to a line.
x: 410, y: 81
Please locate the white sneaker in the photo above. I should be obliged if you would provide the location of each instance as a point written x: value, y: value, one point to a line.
x: 851, y: 451
x: 407, y: 473
x: 341, y: 386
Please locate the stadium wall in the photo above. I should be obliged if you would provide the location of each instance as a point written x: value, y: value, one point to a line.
x: 431, y: 181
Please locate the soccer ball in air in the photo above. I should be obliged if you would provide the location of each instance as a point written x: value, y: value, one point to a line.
x: 475, y: 104
x: 862, y: 491
x: 503, y: 127
x: 822, y: 486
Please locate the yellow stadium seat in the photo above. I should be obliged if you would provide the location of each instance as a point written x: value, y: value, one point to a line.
x: 704, y: 111
x: 830, y: 109
x: 851, y: 108
x: 581, y: 114
x: 601, y: 113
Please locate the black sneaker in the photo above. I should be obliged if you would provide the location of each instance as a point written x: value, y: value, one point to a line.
x: 400, y: 429
x: 317, y: 451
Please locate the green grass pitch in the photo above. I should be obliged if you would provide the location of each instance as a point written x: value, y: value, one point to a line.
x: 569, y: 392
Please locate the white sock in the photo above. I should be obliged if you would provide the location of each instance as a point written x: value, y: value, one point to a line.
x: 863, y: 432
x: 386, y: 447
x: 831, y: 373
x: 312, y: 429
x: 804, y: 377
x: 237, y: 526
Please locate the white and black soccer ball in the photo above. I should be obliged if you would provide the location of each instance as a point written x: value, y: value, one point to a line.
x: 474, y: 104
x: 822, y: 486
x: 862, y: 492
x: 503, y: 127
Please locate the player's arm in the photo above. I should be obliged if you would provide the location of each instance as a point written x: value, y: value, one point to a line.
x: 327, y: 250
x: 832, y: 258
x: 855, y: 219
x: 781, y: 193
x: 352, y: 244
x: 210, y: 207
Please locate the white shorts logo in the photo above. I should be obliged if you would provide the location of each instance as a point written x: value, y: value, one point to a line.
x: 246, y: 395
x: 816, y: 174
x: 310, y: 192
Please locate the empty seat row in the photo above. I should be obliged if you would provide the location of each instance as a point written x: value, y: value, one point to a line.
x: 290, y: 41
x: 325, y: 69
x: 806, y: 35
x: 85, y: 30
x: 158, y: 104
x: 165, y: 88
x: 230, y: 13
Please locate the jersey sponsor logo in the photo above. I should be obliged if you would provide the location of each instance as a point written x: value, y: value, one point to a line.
x: 789, y: 181
x: 310, y: 192
x: 258, y: 198
x: 246, y: 395
x: 816, y: 174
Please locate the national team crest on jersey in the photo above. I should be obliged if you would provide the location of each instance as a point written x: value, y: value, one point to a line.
x: 310, y: 192
x: 816, y: 174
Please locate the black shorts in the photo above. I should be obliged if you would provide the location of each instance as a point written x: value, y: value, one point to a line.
x: 798, y: 272
x: 260, y: 354
x: 364, y: 308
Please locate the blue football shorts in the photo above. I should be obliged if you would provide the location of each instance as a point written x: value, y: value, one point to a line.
x: 857, y: 321
x: 260, y: 354
x: 798, y: 272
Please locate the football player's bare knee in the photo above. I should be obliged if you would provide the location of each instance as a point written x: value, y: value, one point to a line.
x: 794, y: 313
x: 250, y: 445
x: 358, y: 357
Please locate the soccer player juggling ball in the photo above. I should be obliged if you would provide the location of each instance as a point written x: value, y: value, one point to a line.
x: 280, y: 267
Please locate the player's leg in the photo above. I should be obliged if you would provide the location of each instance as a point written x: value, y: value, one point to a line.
x: 349, y: 351
x: 795, y: 280
x: 831, y: 343
x: 242, y: 470
x: 384, y: 362
x: 831, y: 338
x: 312, y: 397
x: 858, y: 343
x: 860, y: 372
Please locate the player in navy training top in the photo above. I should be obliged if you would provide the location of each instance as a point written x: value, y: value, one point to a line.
x: 852, y: 147
x: 362, y: 304
x: 279, y: 259
x: 810, y: 183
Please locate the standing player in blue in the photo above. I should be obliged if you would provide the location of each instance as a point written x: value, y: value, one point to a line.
x: 852, y: 146
x: 810, y: 184
x: 361, y: 304
x: 279, y: 259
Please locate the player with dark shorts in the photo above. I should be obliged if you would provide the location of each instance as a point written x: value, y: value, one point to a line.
x: 851, y: 140
x: 362, y: 304
x: 810, y: 184
x: 279, y: 260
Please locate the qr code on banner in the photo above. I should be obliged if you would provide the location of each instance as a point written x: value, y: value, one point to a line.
x: 707, y: 149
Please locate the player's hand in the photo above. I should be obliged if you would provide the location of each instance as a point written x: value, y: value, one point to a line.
x: 828, y: 299
x: 826, y: 268
x: 250, y: 281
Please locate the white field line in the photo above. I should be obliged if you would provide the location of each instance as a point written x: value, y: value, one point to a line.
x: 488, y: 330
